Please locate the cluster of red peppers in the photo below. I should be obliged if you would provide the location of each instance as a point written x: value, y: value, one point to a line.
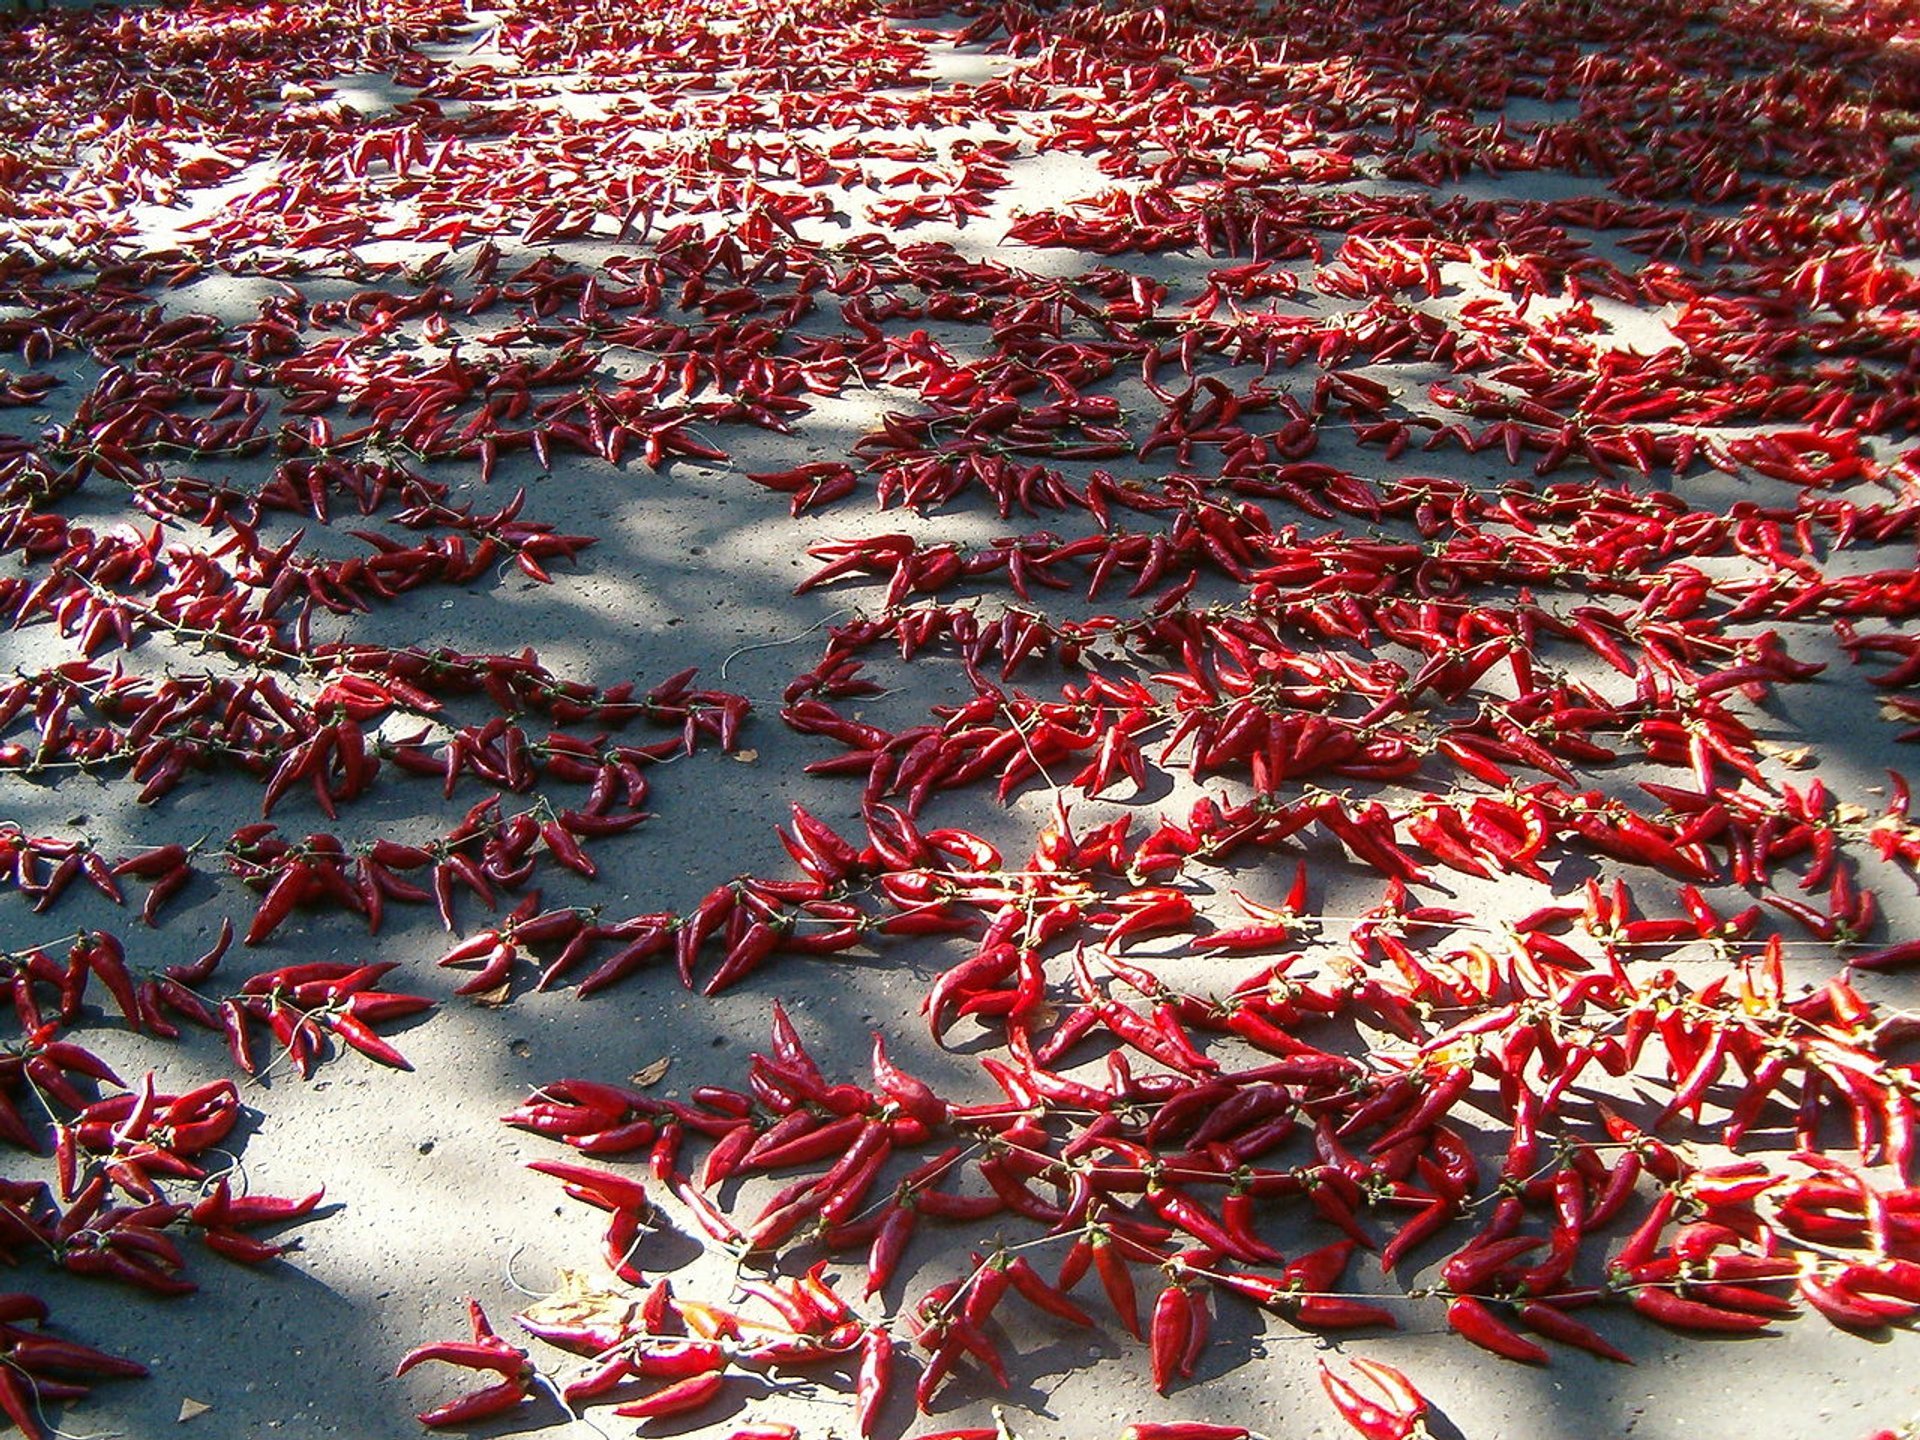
x: 128, y: 1168
x: 1659, y: 1069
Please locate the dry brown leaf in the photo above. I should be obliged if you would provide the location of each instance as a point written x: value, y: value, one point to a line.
x: 1794, y: 757
x: 493, y: 999
x: 746, y: 757
x: 191, y: 1409
x: 651, y: 1074
x: 577, y: 1302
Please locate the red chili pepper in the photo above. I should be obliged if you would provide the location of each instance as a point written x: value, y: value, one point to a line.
x: 1471, y: 1318
x: 1332, y: 1312
x: 889, y: 1242
x: 690, y: 1393
x: 1116, y: 1280
x: 1542, y: 1316
x: 874, y: 1378
x: 360, y: 1036
x: 1470, y: 1267
x: 1686, y: 1314
x: 1171, y: 1331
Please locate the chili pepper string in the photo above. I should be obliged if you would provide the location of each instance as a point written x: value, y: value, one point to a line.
x: 734, y: 654
x: 1417, y: 1293
x: 235, y: 1166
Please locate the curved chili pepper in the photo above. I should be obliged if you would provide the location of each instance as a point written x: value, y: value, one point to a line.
x: 1471, y: 1318
x: 690, y: 1393
x: 1545, y: 1318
